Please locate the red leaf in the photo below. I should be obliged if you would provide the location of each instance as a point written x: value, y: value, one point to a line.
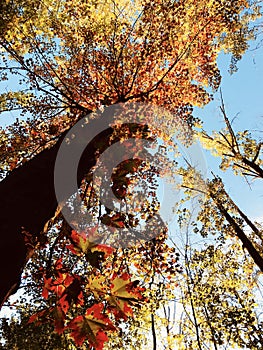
x: 91, y: 327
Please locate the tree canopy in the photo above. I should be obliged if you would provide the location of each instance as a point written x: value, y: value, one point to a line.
x: 76, y: 63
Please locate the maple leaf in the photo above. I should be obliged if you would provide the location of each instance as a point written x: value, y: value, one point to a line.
x: 91, y: 327
x: 57, y: 314
x: 62, y: 282
x: 86, y: 242
x: 98, y: 286
x: 123, y: 294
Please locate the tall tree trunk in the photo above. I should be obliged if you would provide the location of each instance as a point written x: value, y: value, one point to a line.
x: 28, y: 201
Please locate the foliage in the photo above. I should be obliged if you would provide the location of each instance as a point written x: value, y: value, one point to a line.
x: 222, y: 280
x: 240, y: 151
x: 18, y: 334
x: 71, y: 58
x: 218, y: 298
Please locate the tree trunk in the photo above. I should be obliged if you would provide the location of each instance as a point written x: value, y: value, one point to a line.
x: 28, y: 201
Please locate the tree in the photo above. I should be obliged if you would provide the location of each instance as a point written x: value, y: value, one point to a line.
x: 241, y: 152
x: 72, y: 58
x: 219, y: 298
x: 18, y: 335
x: 225, y: 313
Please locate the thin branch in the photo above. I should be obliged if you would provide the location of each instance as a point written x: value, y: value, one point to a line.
x: 231, y: 131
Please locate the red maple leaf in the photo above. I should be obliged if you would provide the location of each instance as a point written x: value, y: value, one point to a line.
x: 91, y: 327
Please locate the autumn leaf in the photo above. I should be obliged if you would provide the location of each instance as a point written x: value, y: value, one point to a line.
x: 58, y: 285
x: 91, y: 327
x: 84, y: 242
x: 40, y: 317
x: 119, y: 291
x: 124, y: 293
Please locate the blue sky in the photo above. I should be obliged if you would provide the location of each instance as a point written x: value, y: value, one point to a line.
x: 243, y: 98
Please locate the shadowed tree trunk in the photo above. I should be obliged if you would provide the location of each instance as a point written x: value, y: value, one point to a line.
x: 28, y: 201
